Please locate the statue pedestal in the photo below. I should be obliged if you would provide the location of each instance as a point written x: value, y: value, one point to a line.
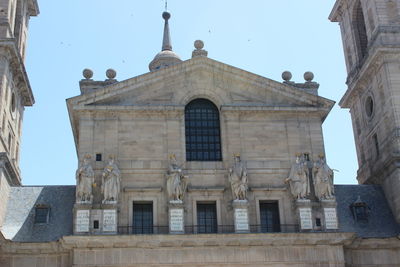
x: 176, y: 217
x: 330, y: 214
x: 108, y: 216
x: 304, y: 211
x: 82, y: 218
x: 241, y: 216
x: 95, y: 219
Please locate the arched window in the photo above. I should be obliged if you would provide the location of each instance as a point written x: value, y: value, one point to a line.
x: 202, y: 131
x: 360, y: 31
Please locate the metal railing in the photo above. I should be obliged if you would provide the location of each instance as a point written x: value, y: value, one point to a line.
x: 209, y: 229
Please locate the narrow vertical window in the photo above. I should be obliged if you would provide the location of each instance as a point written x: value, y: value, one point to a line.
x: 376, y: 142
x: 360, y: 31
x: 202, y: 131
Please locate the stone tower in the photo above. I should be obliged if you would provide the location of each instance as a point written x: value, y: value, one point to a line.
x: 15, y: 90
x: 371, y: 38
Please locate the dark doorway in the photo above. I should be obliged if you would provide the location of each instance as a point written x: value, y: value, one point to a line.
x: 269, y: 217
x: 207, y: 218
x: 142, y: 218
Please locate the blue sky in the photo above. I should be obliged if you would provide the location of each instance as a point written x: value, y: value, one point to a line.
x: 261, y: 36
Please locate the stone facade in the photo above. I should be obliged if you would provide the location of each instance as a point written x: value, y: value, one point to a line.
x: 141, y: 121
x: 15, y: 91
x: 132, y: 143
x: 371, y: 39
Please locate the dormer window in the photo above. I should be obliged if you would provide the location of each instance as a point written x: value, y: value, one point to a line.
x: 360, y: 210
x: 42, y: 214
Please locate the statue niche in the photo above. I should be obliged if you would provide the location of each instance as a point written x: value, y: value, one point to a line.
x: 238, y: 179
x: 111, y: 182
x: 84, y: 181
x: 176, y: 181
x: 323, y: 180
x: 298, y: 179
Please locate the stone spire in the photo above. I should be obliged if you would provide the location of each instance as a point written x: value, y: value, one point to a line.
x: 166, y: 57
x: 166, y: 45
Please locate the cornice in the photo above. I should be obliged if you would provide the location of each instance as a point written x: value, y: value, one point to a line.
x: 205, y: 240
x: 12, y: 176
x: 9, y: 49
x: 371, y: 66
x: 337, y: 11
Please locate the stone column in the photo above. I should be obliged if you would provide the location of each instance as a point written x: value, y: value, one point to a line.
x: 304, y: 211
x: 176, y: 217
x: 330, y: 214
x: 241, y: 216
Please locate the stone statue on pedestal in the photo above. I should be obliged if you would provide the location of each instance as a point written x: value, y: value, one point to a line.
x: 323, y: 179
x: 238, y: 179
x: 111, y: 182
x: 84, y: 181
x: 298, y: 179
x: 176, y: 181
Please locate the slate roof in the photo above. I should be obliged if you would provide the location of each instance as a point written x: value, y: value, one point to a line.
x: 381, y: 222
x: 19, y: 223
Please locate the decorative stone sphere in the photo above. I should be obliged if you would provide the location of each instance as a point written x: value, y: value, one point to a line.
x: 308, y: 76
x: 286, y: 76
x: 166, y: 15
x: 87, y: 73
x: 198, y: 44
x: 111, y: 74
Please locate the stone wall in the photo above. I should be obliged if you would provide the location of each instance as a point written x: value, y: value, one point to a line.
x: 373, y: 252
x: 4, y: 194
x: 315, y: 249
x: 141, y: 121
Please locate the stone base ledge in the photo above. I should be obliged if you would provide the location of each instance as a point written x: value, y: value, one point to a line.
x: 206, y: 240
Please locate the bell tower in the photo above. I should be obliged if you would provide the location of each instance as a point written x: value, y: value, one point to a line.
x: 15, y: 90
x: 371, y: 39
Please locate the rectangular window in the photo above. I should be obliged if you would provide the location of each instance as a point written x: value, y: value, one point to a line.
x: 41, y: 215
x: 142, y: 218
x: 98, y: 157
x: 269, y: 217
x: 207, y: 218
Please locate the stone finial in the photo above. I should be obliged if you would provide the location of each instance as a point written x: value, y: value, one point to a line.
x: 286, y: 76
x: 199, y: 52
x: 87, y: 74
x: 308, y: 76
x: 166, y: 57
x: 111, y: 74
x: 199, y: 44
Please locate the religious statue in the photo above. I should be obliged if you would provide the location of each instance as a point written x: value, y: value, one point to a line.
x: 238, y: 179
x: 176, y: 181
x: 323, y: 179
x: 84, y: 181
x: 111, y: 181
x: 298, y: 179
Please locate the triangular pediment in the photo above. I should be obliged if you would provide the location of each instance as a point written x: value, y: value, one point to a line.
x: 200, y: 78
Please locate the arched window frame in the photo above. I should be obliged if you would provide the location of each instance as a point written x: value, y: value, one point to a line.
x: 202, y: 131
